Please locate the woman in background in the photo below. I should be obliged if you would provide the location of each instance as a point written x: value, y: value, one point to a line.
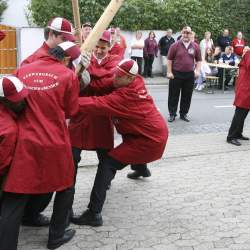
x: 136, y: 51
x: 150, y: 52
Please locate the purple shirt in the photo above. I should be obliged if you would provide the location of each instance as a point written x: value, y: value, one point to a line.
x: 184, y: 58
x: 150, y: 47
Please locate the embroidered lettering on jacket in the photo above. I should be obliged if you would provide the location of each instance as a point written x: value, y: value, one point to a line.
x: 48, y: 80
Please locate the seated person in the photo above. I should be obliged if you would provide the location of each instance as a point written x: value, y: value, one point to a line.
x: 206, y: 70
x: 231, y: 59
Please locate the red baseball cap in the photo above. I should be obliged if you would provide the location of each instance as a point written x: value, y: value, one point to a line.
x: 12, y: 89
x: 127, y: 67
x: 72, y: 50
x: 106, y: 36
x: 63, y: 26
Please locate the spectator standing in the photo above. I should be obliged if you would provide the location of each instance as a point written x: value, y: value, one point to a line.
x: 205, y: 44
x: 164, y: 45
x: 183, y: 65
x: 193, y: 38
x: 238, y: 44
x: 136, y: 51
x: 150, y: 52
x: 224, y: 40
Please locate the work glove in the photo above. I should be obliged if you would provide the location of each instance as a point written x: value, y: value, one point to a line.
x: 85, y: 59
x: 85, y: 80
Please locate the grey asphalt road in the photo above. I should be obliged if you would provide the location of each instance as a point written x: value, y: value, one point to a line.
x: 208, y: 112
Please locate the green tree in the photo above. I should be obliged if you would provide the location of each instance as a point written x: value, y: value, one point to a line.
x: 237, y: 18
x: 201, y: 15
x: 3, y: 6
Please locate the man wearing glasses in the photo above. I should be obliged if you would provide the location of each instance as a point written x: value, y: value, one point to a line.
x: 183, y: 66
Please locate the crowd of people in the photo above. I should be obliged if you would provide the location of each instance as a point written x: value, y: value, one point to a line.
x: 51, y: 112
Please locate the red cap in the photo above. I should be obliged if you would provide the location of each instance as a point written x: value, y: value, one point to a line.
x: 127, y: 67
x: 12, y: 89
x: 63, y: 26
x: 105, y: 36
x: 72, y: 50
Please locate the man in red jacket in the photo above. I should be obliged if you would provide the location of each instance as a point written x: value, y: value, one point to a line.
x: 95, y: 131
x: 118, y: 43
x: 12, y: 94
x: 43, y: 160
x: 57, y: 31
x: 143, y: 130
x: 241, y: 102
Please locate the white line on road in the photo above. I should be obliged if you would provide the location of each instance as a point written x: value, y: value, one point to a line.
x: 223, y: 106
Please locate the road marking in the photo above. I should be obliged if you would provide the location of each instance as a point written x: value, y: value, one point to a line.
x: 223, y: 106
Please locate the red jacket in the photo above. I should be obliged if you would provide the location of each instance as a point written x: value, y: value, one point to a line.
x: 238, y: 46
x: 143, y: 129
x: 8, y: 136
x: 242, y: 95
x: 43, y: 160
x: 41, y: 52
x: 119, y: 48
x: 94, y: 131
x: 2, y: 35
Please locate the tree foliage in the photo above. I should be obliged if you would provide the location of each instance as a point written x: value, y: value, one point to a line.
x: 201, y: 15
x: 3, y: 6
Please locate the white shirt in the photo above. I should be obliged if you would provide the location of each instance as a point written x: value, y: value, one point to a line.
x: 137, y: 52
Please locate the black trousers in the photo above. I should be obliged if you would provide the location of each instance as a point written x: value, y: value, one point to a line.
x: 12, y: 211
x: 139, y: 62
x: 101, y: 154
x: 36, y: 204
x: 148, y: 65
x: 104, y: 175
x: 183, y: 83
x: 237, y: 124
x: 141, y: 168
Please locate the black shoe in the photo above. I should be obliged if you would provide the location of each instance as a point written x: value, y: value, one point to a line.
x: 243, y: 138
x: 184, y: 118
x: 151, y: 76
x: 88, y: 218
x: 136, y: 174
x: 171, y: 118
x: 55, y: 243
x: 39, y: 221
x: 234, y: 142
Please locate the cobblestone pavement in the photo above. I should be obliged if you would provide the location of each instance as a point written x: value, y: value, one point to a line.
x: 197, y: 199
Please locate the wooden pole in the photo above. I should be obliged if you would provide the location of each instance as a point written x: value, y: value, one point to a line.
x: 77, y: 21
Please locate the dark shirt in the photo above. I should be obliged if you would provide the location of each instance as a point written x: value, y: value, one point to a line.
x: 223, y: 42
x: 150, y: 47
x: 184, y: 58
x: 231, y: 59
x: 164, y: 44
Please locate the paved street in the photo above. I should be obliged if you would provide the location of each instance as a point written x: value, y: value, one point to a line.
x: 197, y: 198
